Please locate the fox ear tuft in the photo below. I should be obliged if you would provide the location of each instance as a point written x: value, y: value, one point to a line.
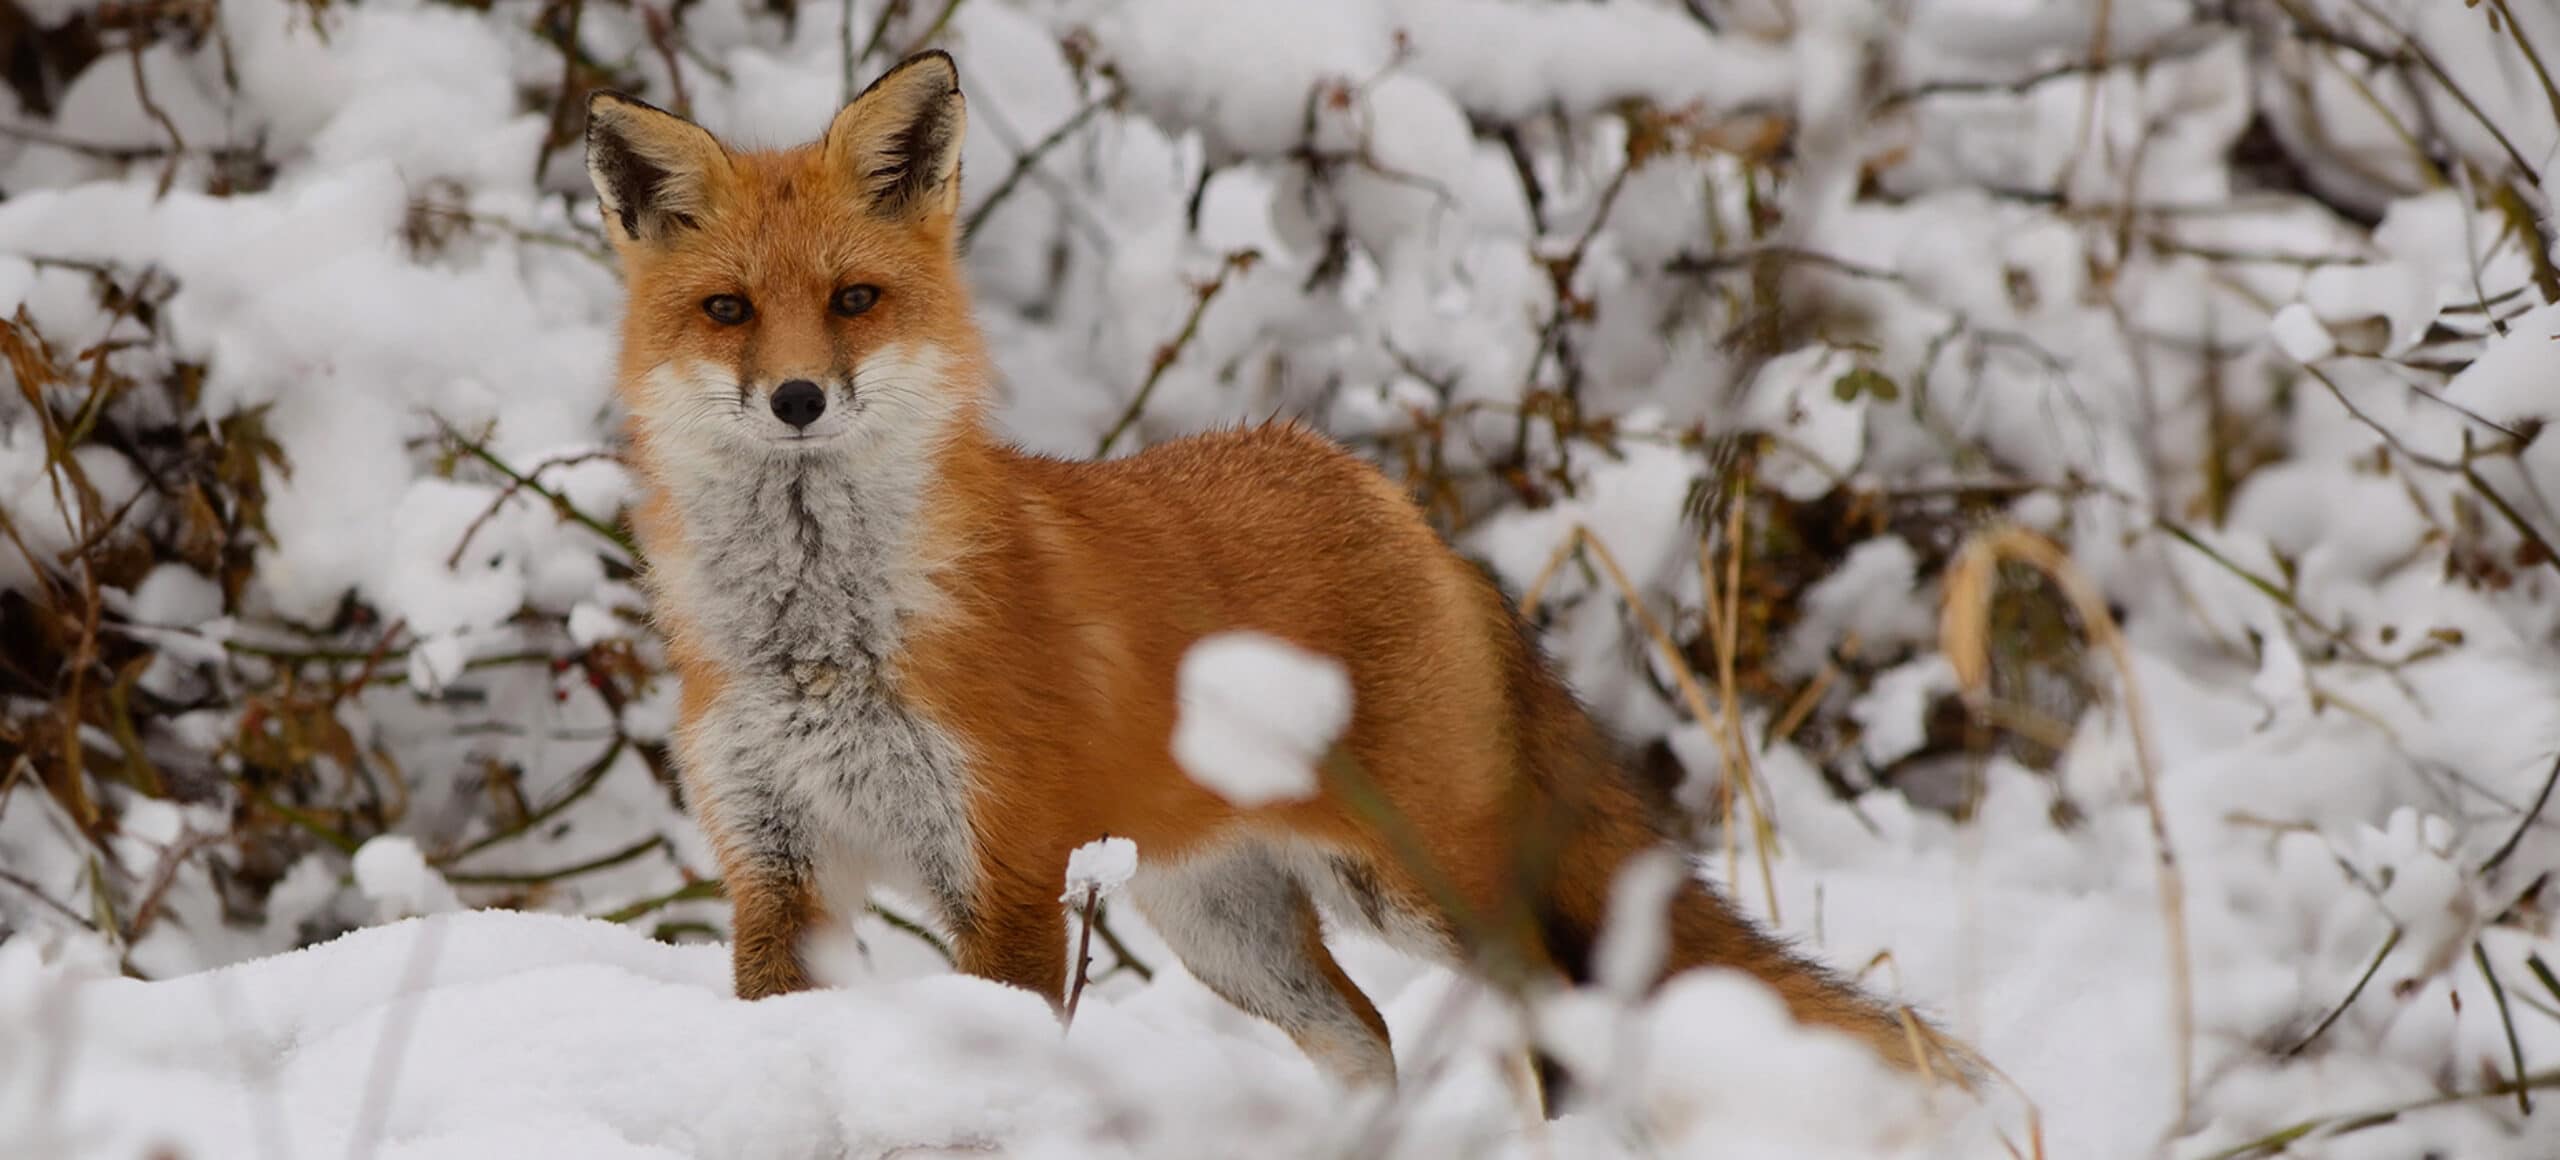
x: 654, y: 171
x: 899, y: 142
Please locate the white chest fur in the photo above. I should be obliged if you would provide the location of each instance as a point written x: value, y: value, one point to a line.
x: 801, y: 581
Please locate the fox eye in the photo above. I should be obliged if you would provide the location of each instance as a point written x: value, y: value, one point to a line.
x: 727, y: 309
x: 853, y: 300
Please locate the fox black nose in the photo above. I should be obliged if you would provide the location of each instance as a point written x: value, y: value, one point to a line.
x: 799, y: 402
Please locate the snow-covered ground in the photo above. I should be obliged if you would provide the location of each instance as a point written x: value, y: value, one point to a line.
x: 2250, y: 307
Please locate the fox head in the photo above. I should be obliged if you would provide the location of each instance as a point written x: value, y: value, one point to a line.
x: 799, y: 302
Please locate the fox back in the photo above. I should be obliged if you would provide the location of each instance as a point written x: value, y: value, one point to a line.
x: 915, y: 655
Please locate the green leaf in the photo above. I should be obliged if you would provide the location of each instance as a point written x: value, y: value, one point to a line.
x: 1862, y: 380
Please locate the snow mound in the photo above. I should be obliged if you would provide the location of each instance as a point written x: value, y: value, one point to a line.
x: 1257, y: 714
x: 501, y: 1033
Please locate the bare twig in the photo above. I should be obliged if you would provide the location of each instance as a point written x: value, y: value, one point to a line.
x: 662, y: 37
x: 2411, y: 46
x: 912, y: 929
x: 159, y: 116
x: 1202, y: 294
x: 707, y: 888
x: 586, y: 781
x: 1084, y: 953
x: 1748, y: 257
x: 559, y: 503
x: 854, y: 60
x: 2542, y: 972
x: 2339, y: 1124
x: 2334, y: 1012
x: 453, y: 560
x: 1030, y: 158
x: 2507, y: 1019
x: 163, y: 876
x: 1126, y: 957
x: 2525, y: 824
x: 2506, y: 510
x: 565, y: 37
x: 2532, y: 56
x: 933, y: 28
x: 36, y: 892
x: 41, y: 135
x: 2090, y: 68
x: 539, y: 877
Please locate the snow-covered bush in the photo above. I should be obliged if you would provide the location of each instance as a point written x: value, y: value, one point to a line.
x: 1715, y: 328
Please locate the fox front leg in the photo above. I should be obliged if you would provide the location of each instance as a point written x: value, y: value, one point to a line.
x: 773, y: 897
x: 773, y: 911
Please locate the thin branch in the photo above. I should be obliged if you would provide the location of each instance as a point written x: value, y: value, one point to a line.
x: 2331, y: 1126
x: 2542, y: 972
x: 555, y: 132
x: 1744, y: 259
x: 707, y: 888
x: 1102, y: 926
x: 2018, y: 86
x: 453, y: 560
x: 2409, y: 44
x: 1031, y: 157
x: 559, y: 503
x: 585, y: 782
x: 914, y: 929
x: 2370, y: 968
x: 163, y: 876
x: 1084, y: 953
x: 159, y: 116
x: 36, y: 892
x: 40, y: 135
x: 2507, y: 1018
x: 539, y: 877
x: 2525, y: 823
x: 1202, y: 294
x: 2506, y: 510
x: 2268, y: 588
x: 662, y: 37
x: 1531, y: 189
x: 871, y: 44
x: 2524, y: 44
x: 932, y: 29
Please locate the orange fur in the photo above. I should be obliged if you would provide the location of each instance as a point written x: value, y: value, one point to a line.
x: 1058, y: 598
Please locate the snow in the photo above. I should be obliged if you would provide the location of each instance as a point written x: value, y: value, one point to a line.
x: 2299, y: 333
x: 2510, y: 382
x: 1894, y: 713
x: 436, y: 662
x: 1099, y: 868
x: 1256, y: 715
x: 2250, y: 318
x: 531, y: 1034
x: 1175, y: 58
x: 1508, y: 60
x: 392, y: 872
x: 1638, y: 933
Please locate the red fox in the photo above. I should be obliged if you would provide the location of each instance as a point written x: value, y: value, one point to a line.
x: 913, y: 654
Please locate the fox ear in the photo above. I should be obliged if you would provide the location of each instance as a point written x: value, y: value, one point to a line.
x: 899, y: 142
x: 654, y: 171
